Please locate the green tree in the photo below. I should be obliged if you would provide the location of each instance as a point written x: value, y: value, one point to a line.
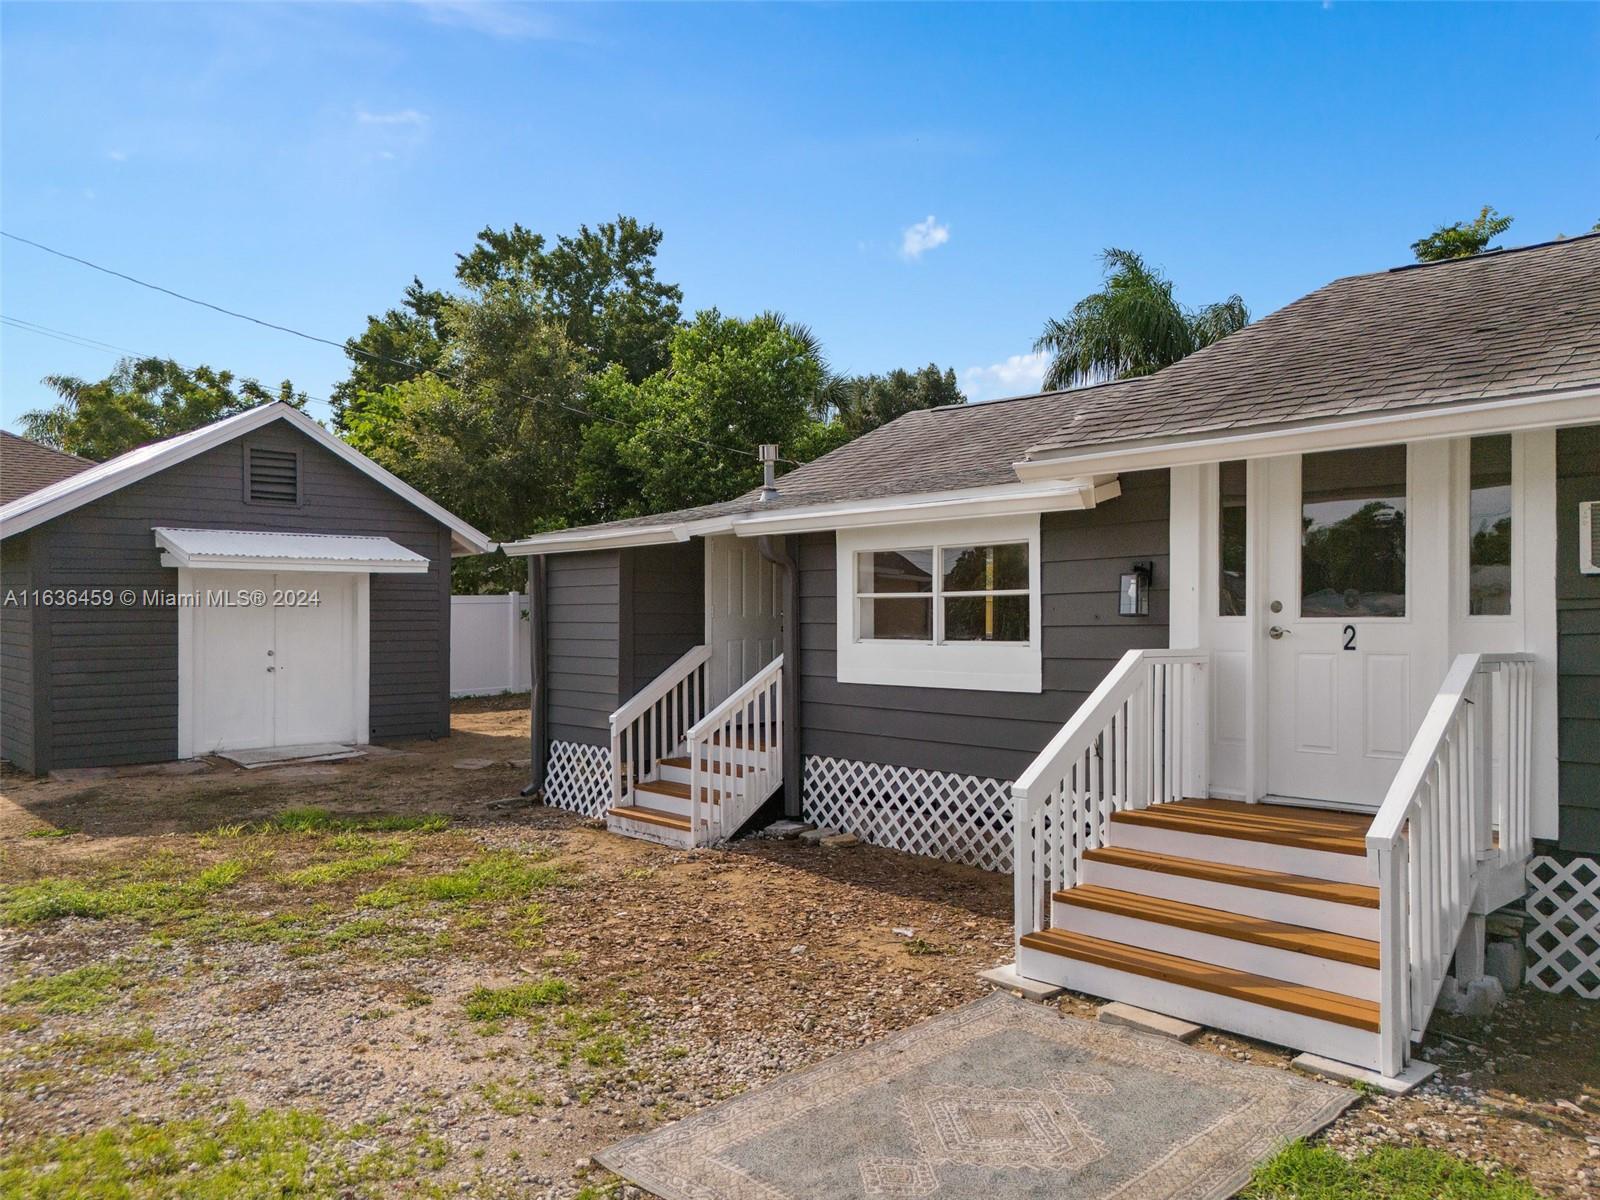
x: 684, y: 436
x: 401, y: 344
x: 861, y: 403
x: 1132, y: 326
x: 143, y: 400
x: 1463, y: 239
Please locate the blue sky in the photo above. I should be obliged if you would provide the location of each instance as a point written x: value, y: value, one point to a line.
x: 917, y: 183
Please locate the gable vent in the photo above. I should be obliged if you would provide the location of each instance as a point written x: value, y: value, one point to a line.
x: 274, y: 476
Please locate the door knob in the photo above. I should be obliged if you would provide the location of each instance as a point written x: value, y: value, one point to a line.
x: 1276, y: 632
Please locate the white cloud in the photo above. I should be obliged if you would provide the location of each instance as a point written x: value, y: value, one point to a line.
x: 117, y: 155
x: 405, y: 117
x: 918, y: 239
x: 1015, y: 376
x: 489, y: 17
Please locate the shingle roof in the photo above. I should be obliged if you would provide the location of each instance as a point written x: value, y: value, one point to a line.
x: 1498, y: 325
x: 27, y: 466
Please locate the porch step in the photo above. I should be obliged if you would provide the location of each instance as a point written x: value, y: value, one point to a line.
x: 1346, y: 908
x: 1296, y: 939
x: 1278, y: 994
x: 680, y: 762
x: 1277, y: 838
x: 651, y: 816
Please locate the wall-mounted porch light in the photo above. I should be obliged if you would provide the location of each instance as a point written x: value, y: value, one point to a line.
x: 1133, y: 597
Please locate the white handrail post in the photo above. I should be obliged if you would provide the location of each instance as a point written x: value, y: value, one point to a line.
x: 1024, y: 861
x: 1394, y: 957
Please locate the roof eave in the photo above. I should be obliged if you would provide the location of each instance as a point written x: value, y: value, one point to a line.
x: 1540, y: 410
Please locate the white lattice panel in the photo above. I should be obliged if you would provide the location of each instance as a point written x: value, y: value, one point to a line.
x: 1564, y: 946
x: 578, y: 777
x: 960, y: 818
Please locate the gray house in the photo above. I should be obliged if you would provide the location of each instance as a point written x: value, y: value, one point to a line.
x: 250, y: 584
x: 1263, y: 674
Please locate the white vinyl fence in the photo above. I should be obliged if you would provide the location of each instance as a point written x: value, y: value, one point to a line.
x: 488, y: 644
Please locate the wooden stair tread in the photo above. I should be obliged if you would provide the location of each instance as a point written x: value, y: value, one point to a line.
x: 1337, y: 947
x: 1278, y: 824
x: 1355, y: 894
x: 671, y: 787
x: 1205, y: 977
x: 716, y: 768
x: 652, y: 816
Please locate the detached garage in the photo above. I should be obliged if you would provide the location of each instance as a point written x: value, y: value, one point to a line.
x: 256, y: 583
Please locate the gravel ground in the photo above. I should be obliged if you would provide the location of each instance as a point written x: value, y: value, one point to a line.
x: 395, y: 982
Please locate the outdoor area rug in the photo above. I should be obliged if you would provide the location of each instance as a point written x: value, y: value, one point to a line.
x: 999, y: 1099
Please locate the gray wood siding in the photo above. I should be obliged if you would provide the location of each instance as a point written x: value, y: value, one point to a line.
x: 617, y: 619
x: 666, y: 612
x: 16, y: 656
x: 113, y: 674
x: 994, y: 734
x: 1578, y: 645
x: 583, y: 636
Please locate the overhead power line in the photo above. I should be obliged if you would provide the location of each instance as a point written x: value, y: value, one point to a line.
x: 349, y: 348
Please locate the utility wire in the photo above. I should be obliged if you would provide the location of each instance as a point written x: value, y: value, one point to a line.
x: 349, y: 347
x: 85, y: 342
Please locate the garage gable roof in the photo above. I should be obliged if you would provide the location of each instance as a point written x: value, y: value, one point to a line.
x: 115, y: 473
x: 254, y: 549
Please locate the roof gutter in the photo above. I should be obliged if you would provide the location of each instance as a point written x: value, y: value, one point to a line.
x: 1050, y: 495
x: 1545, y: 410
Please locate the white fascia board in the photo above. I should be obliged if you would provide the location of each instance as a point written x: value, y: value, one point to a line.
x: 561, y: 542
x: 77, y: 490
x: 1001, y: 500
x: 1543, y: 411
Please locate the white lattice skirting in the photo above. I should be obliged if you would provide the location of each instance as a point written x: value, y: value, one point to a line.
x: 959, y: 818
x: 1564, y: 945
x: 578, y: 778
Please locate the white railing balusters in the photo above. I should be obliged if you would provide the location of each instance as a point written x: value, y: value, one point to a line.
x: 646, y: 728
x: 736, y: 756
x: 1468, y: 761
x: 1126, y: 747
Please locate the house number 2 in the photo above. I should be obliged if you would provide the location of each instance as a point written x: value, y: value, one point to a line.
x: 1349, y: 637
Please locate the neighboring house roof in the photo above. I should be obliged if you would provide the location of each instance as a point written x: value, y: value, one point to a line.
x: 102, y: 479
x: 1404, y: 342
x: 26, y: 466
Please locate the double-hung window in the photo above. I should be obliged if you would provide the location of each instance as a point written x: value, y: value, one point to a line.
x: 949, y: 605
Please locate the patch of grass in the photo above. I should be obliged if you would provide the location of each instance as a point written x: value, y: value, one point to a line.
x: 50, y: 831
x: 922, y: 948
x: 139, y: 1055
x: 81, y: 990
x: 510, y: 1098
x: 162, y: 892
x: 340, y: 869
x: 320, y: 820
x: 501, y: 875
x: 244, y: 1156
x: 499, y: 1004
x: 1304, y: 1172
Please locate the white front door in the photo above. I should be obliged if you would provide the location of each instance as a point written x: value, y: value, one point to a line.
x: 1351, y: 627
x: 744, y: 612
x: 314, y: 700
x: 284, y: 670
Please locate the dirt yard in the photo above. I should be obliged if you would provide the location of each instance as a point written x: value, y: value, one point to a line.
x: 394, y: 977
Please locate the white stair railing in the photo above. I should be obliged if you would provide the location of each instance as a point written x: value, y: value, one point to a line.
x: 736, y: 756
x: 652, y: 724
x: 1141, y: 738
x: 1460, y: 798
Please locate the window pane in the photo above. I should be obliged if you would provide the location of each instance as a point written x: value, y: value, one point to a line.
x: 1353, y: 544
x: 895, y: 571
x: 906, y: 619
x: 985, y: 568
x: 1230, y: 540
x: 1489, y: 526
x: 986, y: 619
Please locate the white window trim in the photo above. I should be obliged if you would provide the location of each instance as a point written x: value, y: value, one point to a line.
x: 968, y: 666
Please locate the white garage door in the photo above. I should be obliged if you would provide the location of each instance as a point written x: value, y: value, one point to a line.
x: 283, y: 672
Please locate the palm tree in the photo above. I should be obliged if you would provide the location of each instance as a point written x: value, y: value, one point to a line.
x: 1133, y: 326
